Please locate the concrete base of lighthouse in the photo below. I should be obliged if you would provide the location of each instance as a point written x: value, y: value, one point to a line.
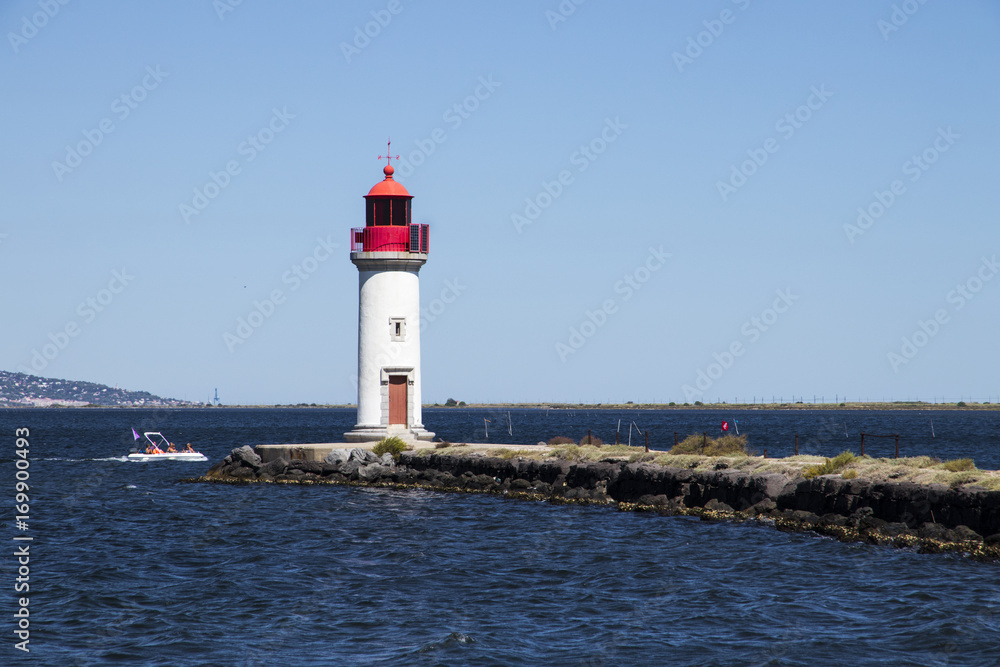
x: 363, y: 433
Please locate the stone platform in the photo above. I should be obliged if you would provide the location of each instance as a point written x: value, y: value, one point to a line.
x: 317, y: 451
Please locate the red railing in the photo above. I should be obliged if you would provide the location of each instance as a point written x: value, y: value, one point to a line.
x: 408, y: 238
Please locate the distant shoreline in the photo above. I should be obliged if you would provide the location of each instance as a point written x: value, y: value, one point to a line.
x: 873, y: 406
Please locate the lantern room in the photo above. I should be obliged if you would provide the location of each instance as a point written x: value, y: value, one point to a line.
x: 388, y: 203
x: 387, y: 221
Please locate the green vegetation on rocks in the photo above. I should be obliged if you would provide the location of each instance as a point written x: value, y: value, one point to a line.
x: 830, y: 466
x: 959, y: 465
x: 727, y: 445
x: 392, y: 445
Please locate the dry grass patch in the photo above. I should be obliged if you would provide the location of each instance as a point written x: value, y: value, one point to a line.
x: 507, y: 454
x: 958, y: 465
x: 701, y: 444
x: 830, y: 466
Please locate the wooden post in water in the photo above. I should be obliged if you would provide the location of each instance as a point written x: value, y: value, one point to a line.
x: 675, y: 438
x: 897, y: 445
x: 862, y: 444
x: 796, y: 444
x: 647, y: 442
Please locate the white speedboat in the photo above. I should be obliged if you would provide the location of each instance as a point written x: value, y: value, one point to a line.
x: 157, y: 449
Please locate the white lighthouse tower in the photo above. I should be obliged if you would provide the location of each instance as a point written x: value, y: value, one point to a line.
x: 388, y: 252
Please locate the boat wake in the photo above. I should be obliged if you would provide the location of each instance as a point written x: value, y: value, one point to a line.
x: 119, y: 459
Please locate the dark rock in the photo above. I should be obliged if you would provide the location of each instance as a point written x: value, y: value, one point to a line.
x: 363, y: 455
x: 480, y: 482
x: 858, y: 515
x: 313, y: 467
x: 871, y: 524
x: 387, y: 460
x: 217, y: 469
x: 896, y: 529
x: 240, y: 472
x: 833, y: 520
x: 763, y: 507
x: 805, y: 517
x: 337, y: 456
x: 963, y: 534
x: 247, y: 455
x: 717, y: 506
x: 543, y: 488
x: 992, y: 540
x: 350, y: 469
x: 933, y: 531
x: 520, y: 485
x: 273, y: 468
x: 371, y: 472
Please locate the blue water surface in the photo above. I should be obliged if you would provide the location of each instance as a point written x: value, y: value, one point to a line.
x: 129, y: 566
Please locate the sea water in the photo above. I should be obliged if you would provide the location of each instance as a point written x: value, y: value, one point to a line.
x: 129, y: 566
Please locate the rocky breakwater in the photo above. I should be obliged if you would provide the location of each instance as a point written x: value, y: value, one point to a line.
x: 929, y: 517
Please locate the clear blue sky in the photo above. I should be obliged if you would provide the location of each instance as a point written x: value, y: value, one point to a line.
x: 665, y: 122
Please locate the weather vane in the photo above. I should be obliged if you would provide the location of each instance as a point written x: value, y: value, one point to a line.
x: 389, y: 157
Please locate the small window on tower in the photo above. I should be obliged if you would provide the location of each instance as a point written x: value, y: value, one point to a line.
x: 397, y: 328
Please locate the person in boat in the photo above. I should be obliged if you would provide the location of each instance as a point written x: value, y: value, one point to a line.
x: 189, y: 448
x: 172, y: 449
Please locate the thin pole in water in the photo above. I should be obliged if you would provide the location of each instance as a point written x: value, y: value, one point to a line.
x: 486, y: 426
x: 932, y: 429
x: 510, y: 426
x: 737, y: 425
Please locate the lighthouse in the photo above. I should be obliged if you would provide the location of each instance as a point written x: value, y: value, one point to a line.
x: 388, y: 251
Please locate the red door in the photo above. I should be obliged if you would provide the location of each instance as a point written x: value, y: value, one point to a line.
x: 397, y: 399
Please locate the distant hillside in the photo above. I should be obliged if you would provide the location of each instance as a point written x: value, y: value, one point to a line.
x: 18, y: 389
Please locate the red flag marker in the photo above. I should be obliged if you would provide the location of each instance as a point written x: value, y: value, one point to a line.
x: 725, y: 425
